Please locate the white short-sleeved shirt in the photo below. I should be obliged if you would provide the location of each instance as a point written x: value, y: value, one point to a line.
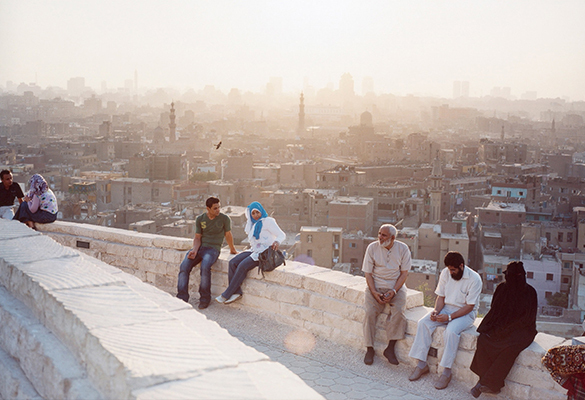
x: 385, y: 265
x: 461, y: 292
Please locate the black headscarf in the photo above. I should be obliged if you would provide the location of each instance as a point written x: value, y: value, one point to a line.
x: 514, y: 305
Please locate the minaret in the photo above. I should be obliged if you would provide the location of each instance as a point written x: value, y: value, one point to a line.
x: 172, y: 125
x: 502, y: 135
x: 301, y: 127
x: 436, y: 190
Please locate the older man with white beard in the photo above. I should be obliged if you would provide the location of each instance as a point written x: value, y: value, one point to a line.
x: 386, y: 265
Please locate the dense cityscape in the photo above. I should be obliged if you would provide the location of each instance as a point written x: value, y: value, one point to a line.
x: 497, y: 178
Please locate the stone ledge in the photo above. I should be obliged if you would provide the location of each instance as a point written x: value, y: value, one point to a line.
x: 294, y: 295
x: 129, y: 336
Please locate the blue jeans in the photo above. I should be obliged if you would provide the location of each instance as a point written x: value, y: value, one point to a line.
x: 239, y: 267
x: 41, y: 216
x: 207, y: 256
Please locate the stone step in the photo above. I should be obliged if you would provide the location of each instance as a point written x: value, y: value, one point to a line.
x: 13, y: 382
x: 52, y: 369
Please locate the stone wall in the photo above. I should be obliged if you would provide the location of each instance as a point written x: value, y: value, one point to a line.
x: 74, y: 327
x: 327, y: 303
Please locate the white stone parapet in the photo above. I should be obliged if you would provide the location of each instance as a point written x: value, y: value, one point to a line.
x: 327, y: 303
x: 83, y: 329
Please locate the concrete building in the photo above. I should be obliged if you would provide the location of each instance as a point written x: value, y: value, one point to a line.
x: 544, y: 274
x: 322, y: 244
x: 353, y: 249
x: 423, y: 276
x: 352, y: 214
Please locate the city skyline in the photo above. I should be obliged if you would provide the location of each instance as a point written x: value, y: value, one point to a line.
x: 419, y: 49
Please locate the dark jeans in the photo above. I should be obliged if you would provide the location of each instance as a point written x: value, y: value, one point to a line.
x: 207, y: 256
x: 239, y: 267
x: 23, y: 214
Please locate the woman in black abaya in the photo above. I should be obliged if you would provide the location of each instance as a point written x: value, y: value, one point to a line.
x: 507, y: 329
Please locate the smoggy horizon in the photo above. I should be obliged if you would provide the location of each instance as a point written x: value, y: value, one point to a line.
x: 521, y: 47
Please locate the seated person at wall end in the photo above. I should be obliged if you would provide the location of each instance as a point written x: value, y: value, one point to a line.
x: 455, y: 308
x: 210, y: 229
x: 9, y: 190
x: 566, y: 365
x: 386, y: 265
x: 507, y: 329
x: 39, y: 205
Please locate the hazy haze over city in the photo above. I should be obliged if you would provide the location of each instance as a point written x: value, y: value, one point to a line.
x: 406, y: 47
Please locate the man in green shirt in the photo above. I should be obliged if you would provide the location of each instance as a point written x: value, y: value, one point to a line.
x: 210, y: 229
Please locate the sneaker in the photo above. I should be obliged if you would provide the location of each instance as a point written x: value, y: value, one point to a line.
x: 203, y: 305
x: 442, y: 382
x: 418, y: 372
x: 369, y: 358
x: 220, y: 299
x: 233, y: 298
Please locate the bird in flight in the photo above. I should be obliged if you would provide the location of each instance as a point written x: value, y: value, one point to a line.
x: 217, y: 145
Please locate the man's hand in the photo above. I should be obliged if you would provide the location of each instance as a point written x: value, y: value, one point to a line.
x: 275, y: 245
x: 442, y: 318
x: 434, y: 315
x: 192, y: 254
x: 379, y: 297
x: 389, y: 296
x: 233, y: 251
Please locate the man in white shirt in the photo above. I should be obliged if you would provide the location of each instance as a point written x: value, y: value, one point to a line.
x: 386, y: 265
x: 456, y: 306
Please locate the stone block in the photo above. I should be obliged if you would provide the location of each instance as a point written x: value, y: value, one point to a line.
x: 152, y: 253
x: 150, y: 277
x: 170, y: 242
x: 173, y: 256
x: 468, y: 340
x: 516, y: 391
x: 303, y: 313
x: 355, y: 293
x: 284, y: 277
x: 335, y: 321
x: 338, y: 307
x: 414, y: 298
x: 413, y: 315
x: 262, y: 303
x: 124, y: 250
x: 531, y: 377
x: 329, y: 283
x: 290, y: 321
x: 282, y: 294
x: 531, y: 356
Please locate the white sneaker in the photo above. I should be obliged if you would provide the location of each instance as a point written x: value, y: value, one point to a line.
x: 233, y: 298
x: 220, y: 299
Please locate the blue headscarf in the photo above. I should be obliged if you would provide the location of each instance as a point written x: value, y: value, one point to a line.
x: 256, y: 223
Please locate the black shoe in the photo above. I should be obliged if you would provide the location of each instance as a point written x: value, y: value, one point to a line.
x: 203, y: 305
x: 475, y: 392
x: 487, y: 389
x: 389, y: 353
x: 369, y: 358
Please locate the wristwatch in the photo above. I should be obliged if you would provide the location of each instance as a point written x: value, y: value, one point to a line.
x: 449, y: 317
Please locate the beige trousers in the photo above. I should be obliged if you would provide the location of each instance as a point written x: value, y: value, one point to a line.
x: 395, y: 324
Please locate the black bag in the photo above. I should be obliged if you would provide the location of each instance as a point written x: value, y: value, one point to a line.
x: 270, y: 259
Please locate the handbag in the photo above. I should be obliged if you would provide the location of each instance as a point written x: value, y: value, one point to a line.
x: 269, y: 259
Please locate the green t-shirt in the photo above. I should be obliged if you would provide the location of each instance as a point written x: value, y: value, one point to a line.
x: 212, y: 230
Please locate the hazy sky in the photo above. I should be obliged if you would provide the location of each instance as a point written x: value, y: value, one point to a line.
x: 408, y: 46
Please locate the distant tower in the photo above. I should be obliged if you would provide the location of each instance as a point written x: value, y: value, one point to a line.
x: 135, y: 81
x: 301, y: 127
x: 172, y: 125
x: 436, y: 190
x: 502, y: 135
x: 553, y: 129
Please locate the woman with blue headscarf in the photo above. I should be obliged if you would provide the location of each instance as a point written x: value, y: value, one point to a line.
x: 263, y: 232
